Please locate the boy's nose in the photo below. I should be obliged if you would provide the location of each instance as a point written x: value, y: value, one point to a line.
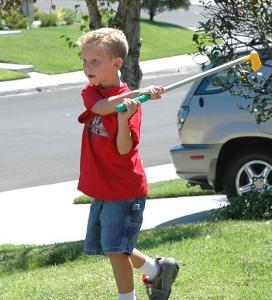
x: 86, y: 65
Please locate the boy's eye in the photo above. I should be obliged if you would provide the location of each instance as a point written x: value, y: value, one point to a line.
x: 86, y: 62
x: 92, y: 62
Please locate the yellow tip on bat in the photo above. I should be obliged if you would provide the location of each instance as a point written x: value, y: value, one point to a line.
x: 254, y: 58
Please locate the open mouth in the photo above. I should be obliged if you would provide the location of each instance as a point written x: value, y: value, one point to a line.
x: 91, y: 76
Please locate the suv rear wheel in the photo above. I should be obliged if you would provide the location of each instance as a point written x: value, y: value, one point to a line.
x: 251, y: 170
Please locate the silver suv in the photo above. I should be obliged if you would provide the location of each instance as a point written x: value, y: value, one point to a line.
x: 221, y: 146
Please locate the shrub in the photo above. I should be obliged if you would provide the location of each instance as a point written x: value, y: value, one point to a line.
x: 48, y: 19
x: 37, y: 13
x: 249, y: 206
x: 62, y: 16
x: 65, y: 16
x: 3, y: 25
x: 15, y: 19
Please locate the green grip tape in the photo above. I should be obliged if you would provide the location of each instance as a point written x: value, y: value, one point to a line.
x: 142, y: 99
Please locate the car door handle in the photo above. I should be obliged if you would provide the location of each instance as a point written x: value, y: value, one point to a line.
x: 201, y: 102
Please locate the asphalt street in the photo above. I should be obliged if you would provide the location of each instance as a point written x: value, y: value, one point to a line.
x: 40, y: 135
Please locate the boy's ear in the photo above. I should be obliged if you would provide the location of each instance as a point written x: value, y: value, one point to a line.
x: 117, y: 63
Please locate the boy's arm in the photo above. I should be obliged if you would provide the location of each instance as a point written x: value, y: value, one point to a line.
x: 107, y: 106
x: 124, y: 139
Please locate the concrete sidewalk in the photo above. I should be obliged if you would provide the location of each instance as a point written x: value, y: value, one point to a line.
x: 182, y: 64
x: 46, y: 214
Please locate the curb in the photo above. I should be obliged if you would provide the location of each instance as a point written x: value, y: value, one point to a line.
x: 41, y: 82
x: 39, y: 89
x: 16, y: 67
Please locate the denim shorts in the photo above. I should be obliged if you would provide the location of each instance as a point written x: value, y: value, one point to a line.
x: 114, y: 226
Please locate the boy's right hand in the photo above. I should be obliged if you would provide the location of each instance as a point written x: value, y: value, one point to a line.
x: 131, y: 108
x: 154, y: 91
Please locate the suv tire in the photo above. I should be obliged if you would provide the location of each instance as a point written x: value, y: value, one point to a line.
x: 251, y: 170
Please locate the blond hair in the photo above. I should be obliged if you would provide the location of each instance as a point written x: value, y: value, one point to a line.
x: 113, y: 40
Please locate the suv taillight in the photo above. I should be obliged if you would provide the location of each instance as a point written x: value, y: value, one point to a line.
x: 182, y: 115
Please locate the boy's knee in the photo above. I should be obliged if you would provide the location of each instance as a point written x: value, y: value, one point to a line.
x: 117, y: 255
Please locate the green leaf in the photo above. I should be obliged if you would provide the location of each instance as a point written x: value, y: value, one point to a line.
x: 195, y: 38
x: 82, y: 27
x: 70, y: 44
x: 85, y: 18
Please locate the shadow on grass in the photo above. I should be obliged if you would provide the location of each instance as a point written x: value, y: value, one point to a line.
x: 32, y: 257
x: 155, y: 237
x: 163, y: 24
x: 193, y: 218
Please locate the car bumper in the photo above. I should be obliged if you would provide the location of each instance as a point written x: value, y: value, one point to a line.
x: 195, y: 163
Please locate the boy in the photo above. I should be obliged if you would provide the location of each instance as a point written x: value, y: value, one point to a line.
x: 110, y: 169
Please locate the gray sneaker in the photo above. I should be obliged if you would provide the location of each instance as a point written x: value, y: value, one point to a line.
x: 160, y: 287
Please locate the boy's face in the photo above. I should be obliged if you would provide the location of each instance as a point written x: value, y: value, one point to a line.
x: 99, y: 67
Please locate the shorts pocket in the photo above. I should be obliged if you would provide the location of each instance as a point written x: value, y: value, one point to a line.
x: 135, y: 218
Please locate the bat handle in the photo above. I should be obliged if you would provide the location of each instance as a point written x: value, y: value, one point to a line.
x: 142, y: 99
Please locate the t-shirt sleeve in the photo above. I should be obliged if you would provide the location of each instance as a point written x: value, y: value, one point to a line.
x: 90, y: 95
x: 135, y: 126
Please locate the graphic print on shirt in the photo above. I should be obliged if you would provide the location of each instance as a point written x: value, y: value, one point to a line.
x: 96, y: 126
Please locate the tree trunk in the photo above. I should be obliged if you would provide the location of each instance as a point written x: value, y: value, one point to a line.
x: 94, y: 14
x: 128, y: 19
x: 151, y: 14
x: 119, y: 20
x: 27, y: 7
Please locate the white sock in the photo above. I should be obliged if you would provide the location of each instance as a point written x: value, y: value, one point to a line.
x: 150, y: 267
x: 127, y: 296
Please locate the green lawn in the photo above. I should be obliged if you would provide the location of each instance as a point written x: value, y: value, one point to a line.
x: 164, y: 39
x: 43, y: 47
x: 175, y: 188
x: 163, y: 189
x: 11, y: 75
x: 224, y: 260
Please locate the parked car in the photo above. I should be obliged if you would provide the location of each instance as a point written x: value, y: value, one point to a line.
x: 221, y: 145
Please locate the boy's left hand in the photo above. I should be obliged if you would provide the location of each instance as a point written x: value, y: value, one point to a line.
x: 155, y: 91
x: 131, y: 106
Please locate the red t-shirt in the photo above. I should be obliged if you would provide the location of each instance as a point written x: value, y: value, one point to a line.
x: 104, y: 173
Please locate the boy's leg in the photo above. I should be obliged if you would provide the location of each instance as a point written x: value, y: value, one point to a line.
x: 120, y: 225
x: 145, y: 264
x: 123, y: 271
x: 137, y: 258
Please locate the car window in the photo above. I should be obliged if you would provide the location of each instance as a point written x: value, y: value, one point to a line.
x: 216, y: 83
